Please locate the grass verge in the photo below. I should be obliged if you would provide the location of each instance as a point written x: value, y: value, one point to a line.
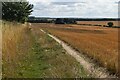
x: 33, y: 54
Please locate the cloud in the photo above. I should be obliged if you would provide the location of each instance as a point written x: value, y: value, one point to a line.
x: 76, y: 8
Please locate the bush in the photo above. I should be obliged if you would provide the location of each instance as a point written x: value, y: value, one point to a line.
x: 59, y: 21
x: 104, y: 25
x: 110, y: 24
x: 65, y: 21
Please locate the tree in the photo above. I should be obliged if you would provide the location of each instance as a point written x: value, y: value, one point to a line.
x: 16, y: 11
x: 59, y: 21
x: 65, y: 21
x: 110, y: 24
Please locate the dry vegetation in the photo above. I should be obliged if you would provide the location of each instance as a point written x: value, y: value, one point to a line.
x: 98, y: 22
x: 15, y: 45
x: 33, y: 54
x: 99, y: 43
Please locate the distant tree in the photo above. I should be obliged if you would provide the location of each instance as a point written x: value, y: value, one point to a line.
x: 70, y: 21
x: 59, y: 21
x: 65, y: 21
x: 110, y: 24
x: 74, y: 22
x: 16, y: 11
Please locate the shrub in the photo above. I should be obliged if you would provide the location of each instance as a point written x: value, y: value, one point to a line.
x: 59, y: 21
x: 110, y: 24
x: 104, y: 25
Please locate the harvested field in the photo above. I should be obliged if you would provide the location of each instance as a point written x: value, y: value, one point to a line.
x: 99, y: 43
x: 98, y: 22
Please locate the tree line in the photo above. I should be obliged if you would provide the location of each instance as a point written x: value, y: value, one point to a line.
x: 52, y: 20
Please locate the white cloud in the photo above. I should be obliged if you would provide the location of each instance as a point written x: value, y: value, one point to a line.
x: 80, y: 8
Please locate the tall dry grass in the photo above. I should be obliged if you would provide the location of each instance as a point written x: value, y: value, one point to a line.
x: 15, y: 43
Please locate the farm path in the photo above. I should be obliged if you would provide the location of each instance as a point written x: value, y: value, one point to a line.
x: 94, y: 71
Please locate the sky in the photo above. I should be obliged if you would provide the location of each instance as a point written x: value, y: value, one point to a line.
x: 75, y: 8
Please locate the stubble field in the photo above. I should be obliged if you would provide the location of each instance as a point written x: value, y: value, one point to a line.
x: 99, y: 43
x: 102, y: 23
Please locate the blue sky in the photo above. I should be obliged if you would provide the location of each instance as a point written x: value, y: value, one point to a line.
x: 76, y: 8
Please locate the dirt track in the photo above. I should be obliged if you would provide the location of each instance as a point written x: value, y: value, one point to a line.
x: 95, y: 71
